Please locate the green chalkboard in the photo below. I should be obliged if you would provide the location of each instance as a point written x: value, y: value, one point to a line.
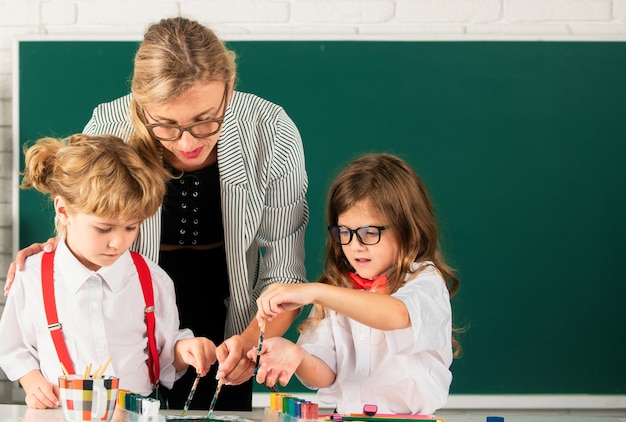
x: 522, y: 146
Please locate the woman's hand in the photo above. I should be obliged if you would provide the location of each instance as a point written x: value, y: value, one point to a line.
x: 235, y: 367
x: 21, y: 256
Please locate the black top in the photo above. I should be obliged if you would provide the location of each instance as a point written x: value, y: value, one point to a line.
x: 192, y: 212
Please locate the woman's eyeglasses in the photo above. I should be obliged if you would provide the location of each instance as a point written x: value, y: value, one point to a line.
x: 167, y: 132
x: 367, y: 235
x: 170, y: 132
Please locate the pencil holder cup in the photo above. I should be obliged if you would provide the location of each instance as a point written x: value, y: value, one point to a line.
x: 88, y: 399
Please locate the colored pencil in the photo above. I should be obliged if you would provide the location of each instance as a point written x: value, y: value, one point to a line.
x: 102, y: 368
x: 64, y: 369
x: 87, y: 371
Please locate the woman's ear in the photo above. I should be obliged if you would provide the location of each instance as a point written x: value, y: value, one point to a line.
x: 231, y: 88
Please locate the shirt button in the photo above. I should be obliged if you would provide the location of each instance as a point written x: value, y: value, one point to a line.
x: 362, y: 337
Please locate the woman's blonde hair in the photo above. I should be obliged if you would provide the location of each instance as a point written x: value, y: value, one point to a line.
x: 175, y: 54
x: 394, y: 191
x: 95, y: 174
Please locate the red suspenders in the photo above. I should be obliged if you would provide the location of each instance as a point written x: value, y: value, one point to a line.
x: 148, y: 297
x: 56, y: 330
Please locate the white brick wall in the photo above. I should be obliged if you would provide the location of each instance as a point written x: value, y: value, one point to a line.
x: 297, y: 19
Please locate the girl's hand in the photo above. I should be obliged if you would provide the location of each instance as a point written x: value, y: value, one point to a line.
x: 21, y: 256
x: 280, y: 358
x: 199, y: 352
x: 282, y: 297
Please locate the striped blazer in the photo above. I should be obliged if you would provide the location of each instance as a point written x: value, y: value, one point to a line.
x: 263, y: 185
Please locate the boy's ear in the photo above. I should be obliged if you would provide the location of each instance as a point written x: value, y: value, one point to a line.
x: 61, y: 210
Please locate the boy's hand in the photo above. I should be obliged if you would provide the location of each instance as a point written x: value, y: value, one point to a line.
x: 199, y: 352
x: 280, y: 359
x: 40, y: 393
x: 21, y: 256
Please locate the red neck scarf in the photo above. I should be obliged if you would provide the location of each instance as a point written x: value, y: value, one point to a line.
x: 376, y: 284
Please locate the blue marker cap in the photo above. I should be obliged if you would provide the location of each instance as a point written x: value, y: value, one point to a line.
x: 495, y: 419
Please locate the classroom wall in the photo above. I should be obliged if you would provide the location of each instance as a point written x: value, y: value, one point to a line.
x: 286, y: 19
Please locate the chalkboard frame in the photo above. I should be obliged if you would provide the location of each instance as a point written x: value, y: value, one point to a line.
x: 589, y: 69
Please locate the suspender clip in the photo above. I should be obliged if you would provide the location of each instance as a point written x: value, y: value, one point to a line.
x: 149, y: 309
x: 53, y: 327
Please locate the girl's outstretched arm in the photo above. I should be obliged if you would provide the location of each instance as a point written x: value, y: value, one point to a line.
x: 280, y: 359
x: 376, y: 310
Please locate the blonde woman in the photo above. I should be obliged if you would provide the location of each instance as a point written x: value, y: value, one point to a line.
x: 235, y: 213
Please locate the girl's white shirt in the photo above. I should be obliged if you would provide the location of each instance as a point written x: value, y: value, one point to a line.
x: 402, y: 371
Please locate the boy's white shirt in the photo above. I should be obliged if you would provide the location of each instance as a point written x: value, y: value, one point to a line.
x: 401, y: 371
x: 102, y: 314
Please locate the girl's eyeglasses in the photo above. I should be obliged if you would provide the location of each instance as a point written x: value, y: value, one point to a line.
x: 367, y: 235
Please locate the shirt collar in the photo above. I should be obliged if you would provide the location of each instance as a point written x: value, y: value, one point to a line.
x: 76, y: 274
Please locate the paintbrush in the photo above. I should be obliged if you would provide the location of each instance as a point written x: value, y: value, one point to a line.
x: 191, y: 393
x: 217, y: 392
x: 258, y: 354
x: 259, y: 347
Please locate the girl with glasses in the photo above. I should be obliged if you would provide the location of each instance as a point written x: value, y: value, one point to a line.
x: 235, y: 212
x: 380, y: 330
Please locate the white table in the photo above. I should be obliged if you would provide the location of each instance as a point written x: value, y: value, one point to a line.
x: 13, y: 413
